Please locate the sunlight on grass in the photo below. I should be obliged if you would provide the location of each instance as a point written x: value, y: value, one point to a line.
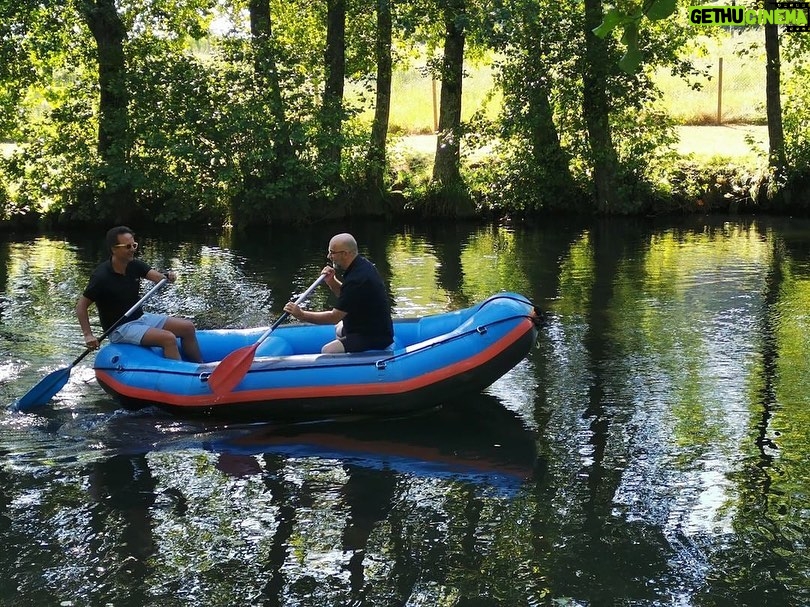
x: 746, y: 144
x: 692, y: 104
x: 413, y: 95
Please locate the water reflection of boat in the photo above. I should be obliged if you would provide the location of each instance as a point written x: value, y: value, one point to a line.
x: 433, y: 358
x: 477, y: 440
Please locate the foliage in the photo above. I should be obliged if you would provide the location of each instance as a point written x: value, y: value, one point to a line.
x: 179, y: 155
x: 204, y: 128
x: 548, y: 59
x: 795, y: 119
x: 507, y: 184
x: 629, y: 18
x: 55, y: 166
x: 409, y: 171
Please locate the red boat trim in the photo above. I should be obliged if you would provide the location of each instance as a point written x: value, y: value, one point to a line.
x: 320, y: 391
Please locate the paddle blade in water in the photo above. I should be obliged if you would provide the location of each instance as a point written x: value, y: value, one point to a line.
x: 44, y: 391
x: 232, y: 369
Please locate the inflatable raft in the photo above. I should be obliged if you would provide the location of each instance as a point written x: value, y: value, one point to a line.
x: 433, y: 358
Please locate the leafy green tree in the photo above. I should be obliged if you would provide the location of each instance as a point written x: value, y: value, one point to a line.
x: 447, y: 24
x: 114, y: 136
x: 83, y: 63
x: 530, y: 40
x: 628, y: 17
x: 781, y: 145
x: 773, y: 100
x: 17, y: 59
x: 262, y: 117
x: 266, y: 71
x: 446, y: 165
x: 570, y: 114
x: 795, y: 118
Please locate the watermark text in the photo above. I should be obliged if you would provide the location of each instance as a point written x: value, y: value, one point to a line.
x: 792, y: 15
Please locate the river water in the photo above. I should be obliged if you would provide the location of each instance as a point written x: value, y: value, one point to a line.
x: 651, y: 450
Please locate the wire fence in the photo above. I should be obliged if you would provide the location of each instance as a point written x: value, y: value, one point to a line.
x: 730, y: 89
x: 731, y: 93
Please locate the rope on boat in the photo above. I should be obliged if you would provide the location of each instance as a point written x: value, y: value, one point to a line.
x: 537, y: 317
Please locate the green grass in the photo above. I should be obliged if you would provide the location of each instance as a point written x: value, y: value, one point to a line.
x: 414, y: 93
x: 746, y: 144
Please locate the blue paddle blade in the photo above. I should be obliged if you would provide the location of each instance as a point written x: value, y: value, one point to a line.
x: 44, y: 391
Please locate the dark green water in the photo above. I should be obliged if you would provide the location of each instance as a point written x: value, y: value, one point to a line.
x: 652, y: 450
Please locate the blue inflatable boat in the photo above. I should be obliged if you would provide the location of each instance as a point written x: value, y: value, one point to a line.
x: 432, y: 359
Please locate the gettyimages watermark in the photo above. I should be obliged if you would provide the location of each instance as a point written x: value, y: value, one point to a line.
x: 793, y: 16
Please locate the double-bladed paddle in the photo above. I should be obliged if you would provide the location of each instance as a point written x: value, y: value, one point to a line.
x: 49, y: 385
x: 233, y: 368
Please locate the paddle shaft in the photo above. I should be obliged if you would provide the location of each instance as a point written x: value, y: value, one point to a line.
x: 126, y: 315
x: 301, y: 299
x: 49, y: 385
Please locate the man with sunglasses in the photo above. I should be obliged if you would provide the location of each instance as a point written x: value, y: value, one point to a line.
x: 114, y: 287
x: 362, y: 315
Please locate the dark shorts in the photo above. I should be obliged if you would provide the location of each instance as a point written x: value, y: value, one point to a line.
x: 354, y: 342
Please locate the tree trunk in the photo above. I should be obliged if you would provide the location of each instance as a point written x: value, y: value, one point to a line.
x: 773, y: 101
x: 596, y: 110
x: 375, y: 159
x: 547, y: 151
x: 261, y: 31
x: 446, y: 163
x: 114, y: 143
x: 332, y: 110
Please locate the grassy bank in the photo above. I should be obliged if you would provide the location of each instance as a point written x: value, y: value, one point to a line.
x: 742, y: 142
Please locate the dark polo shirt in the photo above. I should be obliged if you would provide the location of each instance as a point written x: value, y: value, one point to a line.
x: 114, y: 294
x: 365, y: 301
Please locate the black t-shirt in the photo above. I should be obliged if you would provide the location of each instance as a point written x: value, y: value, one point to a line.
x: 365, y: 300
x: 114, y: 294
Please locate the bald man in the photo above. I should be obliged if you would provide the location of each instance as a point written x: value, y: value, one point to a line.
x: 362, y: 315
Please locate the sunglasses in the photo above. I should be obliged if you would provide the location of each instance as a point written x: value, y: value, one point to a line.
x: 129, y: 245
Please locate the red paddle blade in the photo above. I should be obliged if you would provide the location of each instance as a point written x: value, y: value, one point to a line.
x: 232, y: 369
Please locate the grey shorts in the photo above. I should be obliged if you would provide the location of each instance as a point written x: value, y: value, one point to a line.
x: 132, y: 332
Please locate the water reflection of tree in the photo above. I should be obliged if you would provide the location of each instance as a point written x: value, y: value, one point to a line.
x: 448, y: 242
x: 284, y: 500
x: 369, y: 497
x: 765, y: 556
x: 12, y: 542
x: 592, y: 452
x: 401, y: 534
x: 123, y: 491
